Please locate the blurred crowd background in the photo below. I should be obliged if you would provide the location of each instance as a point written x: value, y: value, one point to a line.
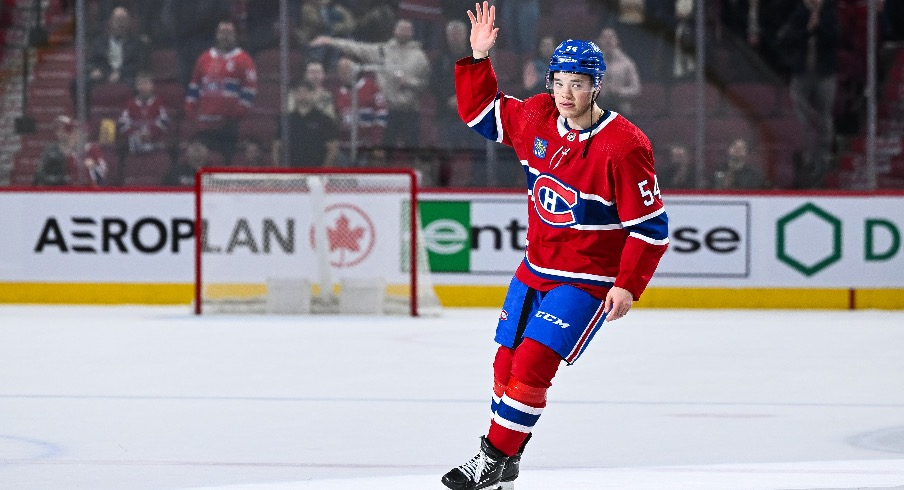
x: 744, y: 94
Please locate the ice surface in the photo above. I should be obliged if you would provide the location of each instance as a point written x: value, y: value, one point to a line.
x: 155, y: 398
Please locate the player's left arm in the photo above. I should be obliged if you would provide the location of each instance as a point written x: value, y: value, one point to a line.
x: 643, y: 216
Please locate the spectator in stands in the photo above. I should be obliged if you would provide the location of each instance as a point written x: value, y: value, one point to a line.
x: 322, y: 18
x: 252, y: 154
x: 426, y: 16
x: 676, y: 171
x: 403, y: 77
x: 622, y: 83
x: 67, y: 162
x: 773, y: 15
x: 316, y: 75
x: 221, y: 92
x: 739, y: 171
x: 810, y: 40
x: 455, y: 134
x: 144, y: 124
x: 374, y: 19
x: 115, y: 56
x: 182, y: 171
x: 192, y: 25
x: 684, y: 59
x: 462, y: 146
x: 742, y: 17
x: 313, y: 136
x: 893, y: 21
x: 533, y: 71
x: 261, y: 25
x: 371, y: 117
x: 520, y: 18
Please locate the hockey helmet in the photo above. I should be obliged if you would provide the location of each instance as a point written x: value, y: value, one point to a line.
x: 576, y: 56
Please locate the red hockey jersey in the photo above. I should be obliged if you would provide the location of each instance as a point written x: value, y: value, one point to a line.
x: 222, y: 87
x: 144, y: 124
x: 91, y: 171
x: 593, y: 221
x: 371, y: 111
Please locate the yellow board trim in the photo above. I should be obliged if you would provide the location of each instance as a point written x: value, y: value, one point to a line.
x: 880, y: 299
x: 711, y: 298
x: 480, y: 296
x: 97, y: 293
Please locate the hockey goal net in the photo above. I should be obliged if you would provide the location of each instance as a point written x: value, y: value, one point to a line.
x: 298, y: 241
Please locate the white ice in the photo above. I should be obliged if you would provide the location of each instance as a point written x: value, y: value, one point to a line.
x: 154, y: 398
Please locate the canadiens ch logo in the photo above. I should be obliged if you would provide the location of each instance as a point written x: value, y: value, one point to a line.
x: 554, y: 201
x: 540, y: 147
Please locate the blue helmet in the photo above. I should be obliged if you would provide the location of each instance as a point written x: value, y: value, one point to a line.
x: 575, y: 56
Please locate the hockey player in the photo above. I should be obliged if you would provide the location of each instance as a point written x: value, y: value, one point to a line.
x: 596, y: 231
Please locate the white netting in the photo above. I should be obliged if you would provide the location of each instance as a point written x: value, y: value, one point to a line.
x: 296, y: 242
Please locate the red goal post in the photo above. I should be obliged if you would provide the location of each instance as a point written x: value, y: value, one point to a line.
x: 310, y: 240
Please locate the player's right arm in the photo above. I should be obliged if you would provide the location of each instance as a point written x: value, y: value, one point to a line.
x: 480, y: 103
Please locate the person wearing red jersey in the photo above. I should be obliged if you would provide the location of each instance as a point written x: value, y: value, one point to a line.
x: 371, y: 110
x: 62, y: 162
x: 222, y: 90
x: 144, y: 123
x: 596, y: 231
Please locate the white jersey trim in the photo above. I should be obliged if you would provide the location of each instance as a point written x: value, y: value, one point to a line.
x: 643, y: 218
x: 486, y: 110
x: 649, y: 240
x: 498, y: 115
x: 583, y: 135
x: 594, y: 197
x: 572, y: 275
x: 616, y: 226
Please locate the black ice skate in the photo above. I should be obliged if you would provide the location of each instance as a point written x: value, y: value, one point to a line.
x: 483, y: 471
x: 512, y: 468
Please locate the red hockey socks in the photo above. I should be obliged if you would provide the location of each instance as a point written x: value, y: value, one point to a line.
x: 521, y: 378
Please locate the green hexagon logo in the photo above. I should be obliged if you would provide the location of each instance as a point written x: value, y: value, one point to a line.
x: 831, y: 233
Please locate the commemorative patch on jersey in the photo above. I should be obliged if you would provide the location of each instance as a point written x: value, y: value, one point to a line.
x: 540, y: 146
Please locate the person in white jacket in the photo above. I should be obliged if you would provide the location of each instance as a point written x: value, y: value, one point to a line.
x: 622, y: 81
x: 403, y: 73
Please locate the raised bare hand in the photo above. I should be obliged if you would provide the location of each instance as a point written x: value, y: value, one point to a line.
x: 483, y: 34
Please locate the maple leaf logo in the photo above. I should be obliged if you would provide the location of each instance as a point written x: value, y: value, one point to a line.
x: 344, y: 236
x: 350, y: 237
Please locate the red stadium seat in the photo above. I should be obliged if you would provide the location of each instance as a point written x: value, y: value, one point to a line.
x: 269, y: 99
x: 683, y: 99
x: 172, y: 94
x: 651, y: 102
x: 267, y: 64
x: 145, y: 169
x: 756, y: 99
x: 109, y: 99
x: 260, y: 127
x: 724, y: 130
x: 164, y: 65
